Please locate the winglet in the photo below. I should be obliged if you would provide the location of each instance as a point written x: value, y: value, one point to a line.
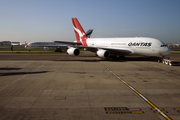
x: 89, y: 32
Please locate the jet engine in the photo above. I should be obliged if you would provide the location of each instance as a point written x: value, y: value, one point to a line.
x: 103, y: 53
x: 73, y: 51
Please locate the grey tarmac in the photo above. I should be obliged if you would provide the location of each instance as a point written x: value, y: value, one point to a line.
x: 62, y: 87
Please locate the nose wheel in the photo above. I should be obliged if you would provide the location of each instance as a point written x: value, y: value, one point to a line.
x: 160, y: 59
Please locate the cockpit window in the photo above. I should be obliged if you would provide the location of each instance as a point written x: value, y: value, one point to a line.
x: 163, y: 45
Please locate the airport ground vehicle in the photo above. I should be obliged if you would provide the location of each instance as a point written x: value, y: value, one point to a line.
x: 170, y: 62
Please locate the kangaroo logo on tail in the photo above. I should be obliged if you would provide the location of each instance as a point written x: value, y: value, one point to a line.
x: 79, y: 32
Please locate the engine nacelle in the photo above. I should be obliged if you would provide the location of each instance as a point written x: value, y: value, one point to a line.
x: 73, y: 51
x: 103, y: 53
x: 46, y: 48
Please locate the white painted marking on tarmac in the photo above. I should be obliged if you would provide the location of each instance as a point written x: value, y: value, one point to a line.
x: 26, y: 64
x: 143, y: 97
x: 124, y: 82
x: 131, y: 87
x: 39, y: 67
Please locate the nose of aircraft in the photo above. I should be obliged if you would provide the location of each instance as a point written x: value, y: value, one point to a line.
x: 167, y: 51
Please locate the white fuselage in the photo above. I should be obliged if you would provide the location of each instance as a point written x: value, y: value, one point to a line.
x: 137, y: 46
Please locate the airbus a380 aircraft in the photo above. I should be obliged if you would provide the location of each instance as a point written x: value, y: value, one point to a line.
x: 106, y: 47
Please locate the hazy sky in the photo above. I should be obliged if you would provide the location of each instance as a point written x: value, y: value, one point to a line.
x: 50, y: 20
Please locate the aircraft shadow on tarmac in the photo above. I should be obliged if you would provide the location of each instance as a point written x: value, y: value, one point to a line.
x: 22, y: 73
x: 7, y: 68
x: 155, y: 59
x: 96, y: 59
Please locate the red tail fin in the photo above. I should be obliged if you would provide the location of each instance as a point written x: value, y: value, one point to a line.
x: 79, y: 32
x: 26, y: 45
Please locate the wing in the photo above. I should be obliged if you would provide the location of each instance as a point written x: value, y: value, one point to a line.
x: 61, y: 46
x: 112, y: 51
x: 65, y: 44
x: 68, y: 42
